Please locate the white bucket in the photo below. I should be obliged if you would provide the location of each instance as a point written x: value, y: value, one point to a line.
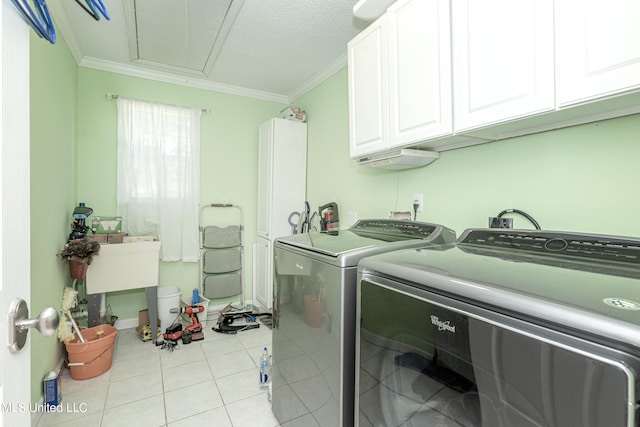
x: 168, y: 298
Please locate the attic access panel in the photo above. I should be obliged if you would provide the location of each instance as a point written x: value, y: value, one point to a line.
x: 183, y: 35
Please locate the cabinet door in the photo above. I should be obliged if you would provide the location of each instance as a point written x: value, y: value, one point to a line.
x: 502, y: 60
x: 263, y: 275
x: 367, y: 75
x: 288, y: 176
x: 265, y: 152
x: 419, y: 71
x: 598, y: 50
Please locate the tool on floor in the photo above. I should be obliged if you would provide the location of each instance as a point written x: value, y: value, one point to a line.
x: 225, y: 326
x: 169, y: 345
x: 193, y: 331
x: 229, y: 316
x: 173, y: 332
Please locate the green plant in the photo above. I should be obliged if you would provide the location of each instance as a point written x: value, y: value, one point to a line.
x: 84, y: 248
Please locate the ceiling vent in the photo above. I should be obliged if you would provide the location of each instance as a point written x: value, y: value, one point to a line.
x: 179, y: 36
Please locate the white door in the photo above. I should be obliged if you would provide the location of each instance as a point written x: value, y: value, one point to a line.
x: 288, y: 175
x: 419, y: 71
x: 502, y: 60
x: 598, y: 51
x: 368, y: 92
x: 15, y: 369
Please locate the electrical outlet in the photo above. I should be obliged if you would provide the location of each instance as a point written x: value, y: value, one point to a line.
x: 500, y: 222
x: 417, y: 198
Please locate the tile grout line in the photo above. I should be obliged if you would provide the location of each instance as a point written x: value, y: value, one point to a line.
x: 164, y: 392
x: 125, y: 341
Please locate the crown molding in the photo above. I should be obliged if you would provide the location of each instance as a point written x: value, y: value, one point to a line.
x: 133, y: 70
x: 196, y: 82
x: 164, y: 77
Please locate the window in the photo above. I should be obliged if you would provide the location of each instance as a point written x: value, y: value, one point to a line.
x: 159, y: 175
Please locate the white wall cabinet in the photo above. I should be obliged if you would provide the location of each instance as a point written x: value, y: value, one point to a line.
x: 516, y: 68
x: 282, y: 171
x: 419, y: 53
x: 368, y: 93
x: 598, y: 53
x: 502, y: 60
x: 400, y: 78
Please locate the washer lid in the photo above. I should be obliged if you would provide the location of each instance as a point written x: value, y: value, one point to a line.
x: 365, y: 235
x: 598, y: 298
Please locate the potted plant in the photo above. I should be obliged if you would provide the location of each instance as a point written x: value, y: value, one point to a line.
x: 80, y: 253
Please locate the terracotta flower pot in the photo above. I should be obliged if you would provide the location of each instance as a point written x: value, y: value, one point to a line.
x: 78, y: 267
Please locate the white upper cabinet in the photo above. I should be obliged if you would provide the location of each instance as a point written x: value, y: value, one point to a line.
x: 400, y: 78
x: 503, y: 60
x: 598, y: 48
x: 441, y: 74
x: 419, y: 71
x: 368, y: 94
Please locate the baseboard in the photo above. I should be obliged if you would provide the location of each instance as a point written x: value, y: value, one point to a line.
x: 122, y: 324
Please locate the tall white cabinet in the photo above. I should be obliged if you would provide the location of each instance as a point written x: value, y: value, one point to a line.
x: 282, y: 172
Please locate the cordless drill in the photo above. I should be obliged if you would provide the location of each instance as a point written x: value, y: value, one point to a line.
x: 195, y: 328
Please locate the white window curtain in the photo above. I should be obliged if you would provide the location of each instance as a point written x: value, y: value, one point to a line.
x: 159, y: 175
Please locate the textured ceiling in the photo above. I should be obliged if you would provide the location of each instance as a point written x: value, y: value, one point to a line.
x: 269, y: 49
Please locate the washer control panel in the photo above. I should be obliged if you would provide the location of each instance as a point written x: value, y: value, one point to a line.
x: 409, y: 229
x: 593, y: 246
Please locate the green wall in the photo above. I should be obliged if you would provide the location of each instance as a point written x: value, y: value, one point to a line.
x: 229, y: 141
x: 53, y: 75
x: 581, y: 178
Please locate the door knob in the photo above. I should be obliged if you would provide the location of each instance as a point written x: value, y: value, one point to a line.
x: 19, y: 323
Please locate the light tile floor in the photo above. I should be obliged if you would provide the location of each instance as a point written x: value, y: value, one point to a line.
x: 213, y: 382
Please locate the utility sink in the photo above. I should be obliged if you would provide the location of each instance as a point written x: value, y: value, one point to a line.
x: 124, y: 266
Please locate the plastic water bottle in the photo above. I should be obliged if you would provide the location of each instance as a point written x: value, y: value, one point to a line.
x: 265, y: 370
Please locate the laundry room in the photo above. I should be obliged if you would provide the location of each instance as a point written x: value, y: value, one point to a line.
x: 575, y: 173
